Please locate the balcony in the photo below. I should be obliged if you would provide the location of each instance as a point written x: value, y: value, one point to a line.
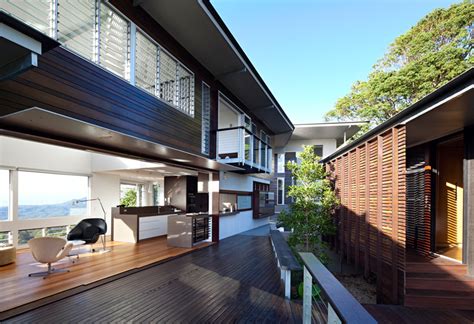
x: 239, y: 147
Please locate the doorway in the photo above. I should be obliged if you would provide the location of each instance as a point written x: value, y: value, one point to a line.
x: 449, y: 199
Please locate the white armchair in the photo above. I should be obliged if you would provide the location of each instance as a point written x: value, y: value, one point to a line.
x: 49, y: 250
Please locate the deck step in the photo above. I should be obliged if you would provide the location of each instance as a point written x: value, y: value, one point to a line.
x: 440, y: 284
x: 445, y: 302
x: 436, y: 268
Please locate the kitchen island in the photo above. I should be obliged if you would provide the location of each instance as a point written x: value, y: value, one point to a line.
x: 187, y: 230
x: 133, y: 224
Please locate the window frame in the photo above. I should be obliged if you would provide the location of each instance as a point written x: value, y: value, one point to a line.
x: 236, y: 194
x: 281, y: 167
x: 282, y: 202
x: 9, y: 199
x: 205, y: 114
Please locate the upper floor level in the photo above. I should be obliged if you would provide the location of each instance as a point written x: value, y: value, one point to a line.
x: 155, y: 70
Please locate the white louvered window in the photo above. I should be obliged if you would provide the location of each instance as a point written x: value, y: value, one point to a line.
x: 168, y: 66
x: 77, y: 26
x: 185, y: 90
x: 37, y: 13
x: 114, y: 41
x: 206, y: 119
x: 146, y: 63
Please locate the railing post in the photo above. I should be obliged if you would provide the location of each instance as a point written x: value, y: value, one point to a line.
x: 307, y: 295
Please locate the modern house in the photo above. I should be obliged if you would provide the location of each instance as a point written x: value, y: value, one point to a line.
x: 156, y: 97
x: 407, y: 209
x: 325, y: 137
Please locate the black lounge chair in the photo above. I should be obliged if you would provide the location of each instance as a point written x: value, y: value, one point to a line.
x: 89, y: 230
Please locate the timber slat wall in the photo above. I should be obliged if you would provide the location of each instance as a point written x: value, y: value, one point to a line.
x: 370, y: 183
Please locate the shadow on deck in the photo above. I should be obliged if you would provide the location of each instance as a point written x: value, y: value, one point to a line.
x: 235, y: 280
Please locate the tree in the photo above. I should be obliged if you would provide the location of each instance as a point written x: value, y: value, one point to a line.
x: 313, y: 203
x: 436, y: 50
x: 129, y: 199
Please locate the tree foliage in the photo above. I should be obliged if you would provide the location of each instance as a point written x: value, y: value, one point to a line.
x: 437, y: 49
x: 313, y: 203
x: 129, y: 199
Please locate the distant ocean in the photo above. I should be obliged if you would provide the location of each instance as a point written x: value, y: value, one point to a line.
x: 67, y: 208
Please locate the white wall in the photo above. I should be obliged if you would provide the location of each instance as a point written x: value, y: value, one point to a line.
x: 107, y: 188
x: 243, y: 221
x: 329, y: 146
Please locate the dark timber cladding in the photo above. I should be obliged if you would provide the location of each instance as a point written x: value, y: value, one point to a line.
x: 69, y: 85
x: 370, y: 181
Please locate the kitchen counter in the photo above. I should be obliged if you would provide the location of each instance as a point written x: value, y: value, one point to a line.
x: 133, y: 224
x: 187, y: 230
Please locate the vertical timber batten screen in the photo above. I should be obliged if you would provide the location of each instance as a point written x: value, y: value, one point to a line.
x: 370, y: 181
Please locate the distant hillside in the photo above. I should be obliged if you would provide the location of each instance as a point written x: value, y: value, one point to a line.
x: 67, y: 208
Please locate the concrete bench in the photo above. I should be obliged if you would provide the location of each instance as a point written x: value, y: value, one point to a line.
x: 287, y: 262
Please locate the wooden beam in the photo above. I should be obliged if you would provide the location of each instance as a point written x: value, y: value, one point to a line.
x: 379, y: 218
x: 367, y: 212
x: 394, y: 240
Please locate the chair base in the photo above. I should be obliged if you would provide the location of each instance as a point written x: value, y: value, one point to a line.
x: 50, y: 271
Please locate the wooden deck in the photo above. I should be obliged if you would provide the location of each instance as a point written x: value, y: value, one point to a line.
x: 393, y: 314
x: 19, y: 290
x: 235, y: 280
x: 437, y: 282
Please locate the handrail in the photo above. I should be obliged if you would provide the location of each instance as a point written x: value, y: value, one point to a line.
x: 346, y: 308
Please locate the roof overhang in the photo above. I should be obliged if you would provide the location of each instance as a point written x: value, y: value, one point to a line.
x: 445, y: 111
x: 45, y: 126
x: 337, y: 130
x: 197, y: 26
x: 442, y: 119
x: 20, y: 46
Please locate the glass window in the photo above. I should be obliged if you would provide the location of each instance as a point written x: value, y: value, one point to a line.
x: 35, y: 13
x: 185, y: 90
x: 76, y: 26
x: 228, y: 202
x: 244, y: 202
x: 281, y: 191
x: 281, y: 163
x: 113, y: 41
x: 168, y: 67
x: 58, y: 231
x: 146, y: 64
x: 206, y: 118
x: 4, y: 194
x: 44, y: 195
x: 128, y: 194
x: 25, y: 235
x: 318, y: 150
x: 5, y: 238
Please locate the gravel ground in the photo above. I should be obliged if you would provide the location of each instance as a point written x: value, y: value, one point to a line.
x: 364, y: 292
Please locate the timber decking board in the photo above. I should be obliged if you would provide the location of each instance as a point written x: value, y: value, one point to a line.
x: 400, y: 315
x: 235, y: 280
x: 18, y: 289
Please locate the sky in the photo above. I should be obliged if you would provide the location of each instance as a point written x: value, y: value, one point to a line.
x: 310, y: 52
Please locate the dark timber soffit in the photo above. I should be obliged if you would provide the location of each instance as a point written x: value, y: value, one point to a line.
x: 39, y: 123
x: 20, y: 46
x: 197, y: 26
x: 464, y: 82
